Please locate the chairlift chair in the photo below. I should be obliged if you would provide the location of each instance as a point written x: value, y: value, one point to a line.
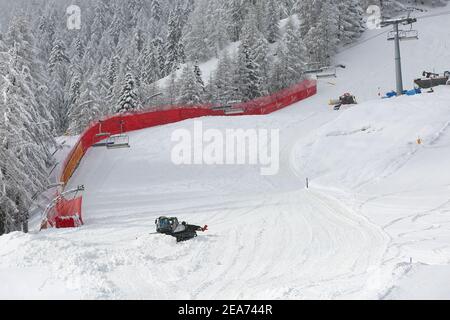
x: 221, y: 107
x: 228, y: 107
x: 325, y: 72
x: 118, y: 141
x: 234, y: 111
x: 326, y: 75
x: 404, y: 35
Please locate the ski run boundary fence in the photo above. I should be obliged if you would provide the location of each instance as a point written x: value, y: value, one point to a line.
x: 123, y: 123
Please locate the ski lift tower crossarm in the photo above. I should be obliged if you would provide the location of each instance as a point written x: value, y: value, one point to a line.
x: 397, y: 35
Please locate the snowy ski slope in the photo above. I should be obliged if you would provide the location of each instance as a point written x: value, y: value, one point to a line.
x: 374, y: 224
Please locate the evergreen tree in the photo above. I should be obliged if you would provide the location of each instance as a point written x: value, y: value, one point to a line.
x: 218, y: 36
x: 156, y: 11
x: 307, y: 12
x: 129, y: 100
x: 171, y: 90
x: 198, y: 76
x: 59, y: 75
x: 321, y: 40
x: 350, y: 20
x: 159, y: 56
x: 291, y: 58
x: 174, y: 46
x: 191, y: 91
x: 248, y: 72
x: 252, y: 56
x: 272, y: 21
x: 87, y: 109
x: 236, y: 13
x: 23, y: 154
x: 222, y: 86
x: 196, y: 34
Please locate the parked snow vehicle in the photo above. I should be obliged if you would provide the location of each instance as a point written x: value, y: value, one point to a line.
x: 430, y: 79
x: 345, y: 99
x: 165, y: 225
x: 182, y: 232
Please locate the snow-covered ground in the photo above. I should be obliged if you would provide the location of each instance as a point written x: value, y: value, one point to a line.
x: 374, y: 224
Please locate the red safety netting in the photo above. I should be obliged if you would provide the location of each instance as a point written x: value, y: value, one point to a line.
x: 169, y: 114
x: 63, y: 213
x: 67, y: 213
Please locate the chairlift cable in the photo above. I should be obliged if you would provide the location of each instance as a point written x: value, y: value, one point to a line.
x: 364, y: 41
x: 382, y: 33
x: 434, y: 15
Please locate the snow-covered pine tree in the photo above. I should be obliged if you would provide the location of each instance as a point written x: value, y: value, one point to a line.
x: 87, y: 108
x: 248, y: 70
x: 296, y: 53
x: 116, y: 28
x: 236, y: 13
x: 23, y: 155
x: 223, y: 82
x: 217, y: 26
x: 174, y: 46
x: 272, y: 20
x: 23, y: 61
x: 196, y: 33
x: 291, y: 58
x: 287, y: 7
x: 307, y: 11
x: 100, y: 22
x: 129, y: 99
x: 263, y: 60
x: 73, y: 100
x: 350, y: 20
x: 191, y: 91
x: 45, y: 32
x: 198, y: 76
x: 59, y: 82
x: 322, y: 38
x: 159, y: 55
x: 113, y: 70
x: 171, y: 90
x: 252, y: 60
x: 146, y: 64
x: 156, y: 11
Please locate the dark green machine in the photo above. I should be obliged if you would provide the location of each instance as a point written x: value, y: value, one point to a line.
x: 182, y: 232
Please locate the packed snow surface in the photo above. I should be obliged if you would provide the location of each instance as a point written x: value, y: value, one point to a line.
x: 374, y: 224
